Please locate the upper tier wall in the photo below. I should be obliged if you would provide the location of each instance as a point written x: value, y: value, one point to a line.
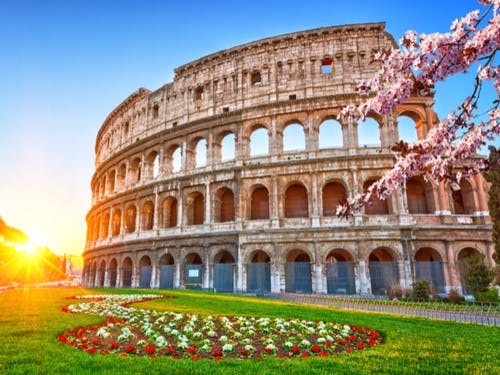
x: 291, y: 66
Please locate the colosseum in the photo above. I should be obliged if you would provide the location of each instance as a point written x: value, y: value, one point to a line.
x: 228, y: 179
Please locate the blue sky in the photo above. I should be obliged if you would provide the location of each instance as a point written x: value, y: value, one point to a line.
x: 66, y: 64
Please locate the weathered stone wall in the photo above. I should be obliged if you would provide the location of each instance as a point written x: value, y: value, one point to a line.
x: 155, y: 195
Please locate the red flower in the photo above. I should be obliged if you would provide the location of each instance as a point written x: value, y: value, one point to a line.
x: 191, y: 350
x: 218, y: 352
x: 150, y: 349
x: 315, y: 349
x: 350, y: 350
x: 174, y: 357
x: 170, y: 350
x: 130, y: 349
x: 114, y: 345
x: 269, y: 350
x: 82, y: 346
x: 323, y: 354
x: 360, y: 346
x: 218, y: 359
x: 96, y: 342
x: 305, y: 355
x: 195, y: 358
x: 295, y: 350
x: 84, y: 340
x: 341, y: 342
x: 91, y: 350
x: 372, y: 342
x: 327, y: 344
x: 151, y: 356
x: 124, y: 355
x: 258, y: 356
x: 105, y: 352
x: 245, y: 352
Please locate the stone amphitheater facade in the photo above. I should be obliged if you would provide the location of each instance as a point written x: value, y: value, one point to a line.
x: 228, y: 178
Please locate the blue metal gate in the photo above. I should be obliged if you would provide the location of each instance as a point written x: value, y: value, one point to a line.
x: 145, y: 280
x: 193, y: 276
x: 340, y: 278
x: 432, y: 272
x: 258, y: 277
x: 167, y: 276
x: 223, y: 277
x: 127, y: 278
x: 382, y: 275
x: 112, y: 277
x: 298, y: 277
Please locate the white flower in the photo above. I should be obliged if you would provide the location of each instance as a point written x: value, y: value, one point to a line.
x: 227, y: 348
x: 223, y: 338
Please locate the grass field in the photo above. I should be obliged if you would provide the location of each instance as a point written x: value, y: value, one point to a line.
x: 31, y: 320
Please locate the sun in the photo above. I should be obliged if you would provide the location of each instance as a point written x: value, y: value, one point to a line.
x: 29, y: 248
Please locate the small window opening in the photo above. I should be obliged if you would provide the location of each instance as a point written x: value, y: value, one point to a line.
x: 292, y: 97
x: 174, y: 124
x: 255, y: 78
x: 198, y: 93
x: 327, y: 66
x: 225, y: 109
x: 155, y: 111
x: 125, y: 129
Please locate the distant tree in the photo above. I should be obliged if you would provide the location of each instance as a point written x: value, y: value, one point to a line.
x: 493, y: 177
x: 413, y: 70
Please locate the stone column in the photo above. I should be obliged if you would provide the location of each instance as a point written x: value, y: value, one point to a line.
x: 364, y: 278
x: 490, y: 250
x: 452, y: 268
x: 177, y: 276
x: 444, y: 203
x: 314, y: 201
x: 208, y: 207
x: 274, y: 203
x: 482, y: 209
x: 155, y: 280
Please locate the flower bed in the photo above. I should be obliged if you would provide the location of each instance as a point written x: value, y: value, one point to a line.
x: 133, y: 331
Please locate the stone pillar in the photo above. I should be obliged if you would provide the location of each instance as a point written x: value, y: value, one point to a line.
x: 208, y: 206
x: 320, y: 286
x: 364, y: 278
x: 177, y: 275
x: 452, y: 268
x: 490, y: 250
x: 155, y: 280
x: 106, y: 278
x: 482, y: 209
x: 119, y: 277
x: 156, y: 211
x: 444, y: 202
x: 240, y: 283
x: 314, y: 201
x: 274, y: 203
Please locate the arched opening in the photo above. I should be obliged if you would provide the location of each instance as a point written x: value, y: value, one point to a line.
x: 130, y: 219
x: 167, y: 269
x: 463, y: 198
x: 298, y: 272
x: 135, y: 170
x: 127, y: 272
x: 228, y: 147
x: 383, y: 270
x: 201, y: 153
x: 105, y: 225
x: 195, y: 206
x: 419, y: 196
x: 259, y: 204
x: 153, y: 164
x: 117, y: 222
x: 375, y: 206
x: 147, y: 216
x: 340, y: 272
x: 224, y: 210
x: 296, y: 204
x: 193, y: 271
x: 333, y: 194
x: 224, y: 272
x: 294, y: 138
x: 111, y: 181
x: 101, y: 274
x: 169, y: 212
x: 145, y: 272
x: 259, y: 142
x: 407, y: 129
x: 369, y: 133
x: 330, y: 134
x: 255, y: 78
x: 259, y: 273
x: 429, y: 266
x: 174, y: 159
x: 113, y: 273
x: 102, y: 192
x: 465, y: 257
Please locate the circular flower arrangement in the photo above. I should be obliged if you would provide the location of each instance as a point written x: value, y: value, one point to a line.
x: 133, y: 331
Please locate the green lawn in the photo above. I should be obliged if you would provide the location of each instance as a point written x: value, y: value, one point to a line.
x: 31, y: 320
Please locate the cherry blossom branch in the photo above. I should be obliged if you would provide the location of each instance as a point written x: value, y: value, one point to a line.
x: 449, y: 151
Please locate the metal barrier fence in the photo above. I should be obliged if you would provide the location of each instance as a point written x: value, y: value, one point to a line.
x: 476, y: 313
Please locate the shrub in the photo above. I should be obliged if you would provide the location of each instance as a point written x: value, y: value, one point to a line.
x: 395, y: 291
x: 491, y: 295
x: 421, y: 290
x: 454, y: 296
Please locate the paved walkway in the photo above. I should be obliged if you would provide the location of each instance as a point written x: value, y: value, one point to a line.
x: 477, y: 314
